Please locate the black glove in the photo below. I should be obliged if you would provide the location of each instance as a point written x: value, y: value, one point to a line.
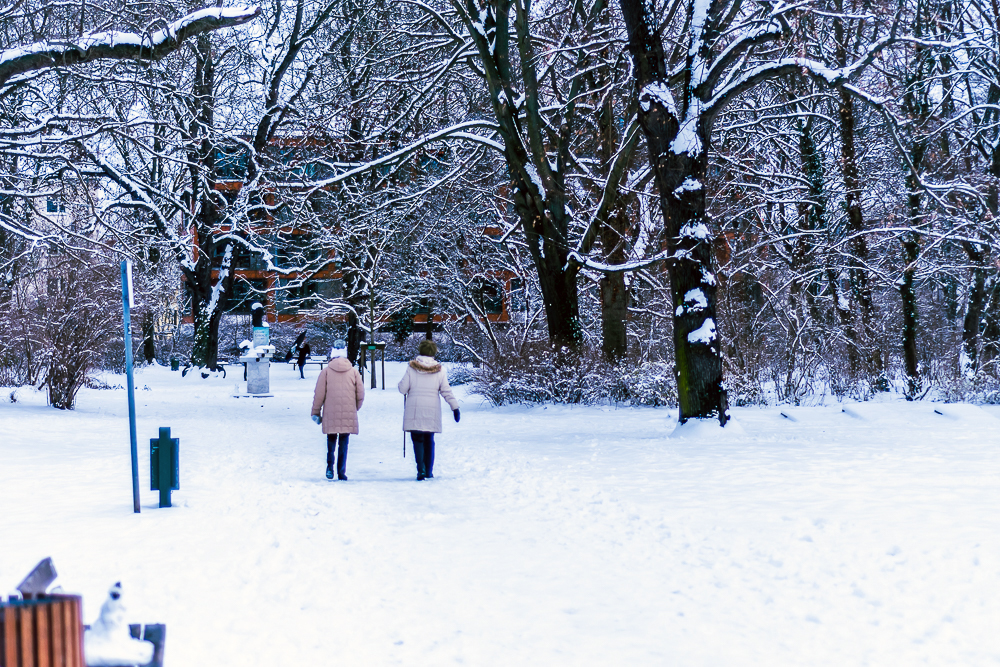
x: 458, y: 415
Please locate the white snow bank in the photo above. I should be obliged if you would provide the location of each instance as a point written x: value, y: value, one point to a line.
x: 550, y: 535
x: 708, y: 430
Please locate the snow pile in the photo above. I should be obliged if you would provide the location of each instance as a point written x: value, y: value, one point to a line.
x: 694, y: 301
x: 697, y: 230
x: 659, y: 92
x: 107, y: 643
x: 705, y: 334
x: 708, y: 431
x: 535, y: 179
x: 689, y: 185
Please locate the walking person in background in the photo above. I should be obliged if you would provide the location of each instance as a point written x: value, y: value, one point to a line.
x: 294, y: 349
x: 338, y: 396
x: 303, y: 355
x: 422, y: 385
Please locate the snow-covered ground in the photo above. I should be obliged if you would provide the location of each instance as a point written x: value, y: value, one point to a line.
x: 550, y: 536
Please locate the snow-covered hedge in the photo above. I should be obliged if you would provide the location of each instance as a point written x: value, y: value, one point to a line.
x: 545, y: 375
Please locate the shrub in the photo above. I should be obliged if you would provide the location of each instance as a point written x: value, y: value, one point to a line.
x: 544, y: 374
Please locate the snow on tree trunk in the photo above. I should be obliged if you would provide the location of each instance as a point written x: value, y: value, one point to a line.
x: 678, y: 154
x: 205, y: 351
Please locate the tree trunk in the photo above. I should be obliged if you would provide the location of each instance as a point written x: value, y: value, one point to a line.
x: 973, y: 311
x: 911, y: 251
x: 861, y: 291
x: 148, y: 337
x: 556, y: 278
x: 679, y: 178
x: 208, y: 299
x: 538, y: 185
x: 613, y: 231
x: 614, y: 310
x: 991, y: 324
x: 353, y: 338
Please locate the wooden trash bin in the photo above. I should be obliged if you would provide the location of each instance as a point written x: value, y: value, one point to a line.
x: 44, y: 632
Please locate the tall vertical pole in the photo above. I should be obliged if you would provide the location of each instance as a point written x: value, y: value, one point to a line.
x: 127, y: 317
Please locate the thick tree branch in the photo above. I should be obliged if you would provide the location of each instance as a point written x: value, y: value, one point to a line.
x: 117, y: 45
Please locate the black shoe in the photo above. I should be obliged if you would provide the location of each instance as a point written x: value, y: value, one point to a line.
x: 342, y: 478
x: 421, y: 476
x: 430, y: 475
x: 329, y: 472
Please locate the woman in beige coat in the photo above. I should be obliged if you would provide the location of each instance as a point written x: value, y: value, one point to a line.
x: 424, y: 382
x: 338, y: 396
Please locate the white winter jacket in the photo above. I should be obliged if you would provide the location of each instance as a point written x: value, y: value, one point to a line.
x: 423, y: 382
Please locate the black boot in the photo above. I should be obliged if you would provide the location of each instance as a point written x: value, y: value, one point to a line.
x: 418, y: 454
x: 342, y: 458
x: 329, y: 471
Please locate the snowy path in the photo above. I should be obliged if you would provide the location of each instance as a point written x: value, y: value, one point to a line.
x: 551, y: 536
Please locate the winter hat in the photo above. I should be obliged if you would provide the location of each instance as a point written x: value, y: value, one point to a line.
x: 339, y: 349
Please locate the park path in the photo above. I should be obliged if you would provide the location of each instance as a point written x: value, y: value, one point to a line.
x: 551, y: 535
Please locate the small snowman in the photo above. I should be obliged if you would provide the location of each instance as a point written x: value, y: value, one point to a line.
x: 108, y: 643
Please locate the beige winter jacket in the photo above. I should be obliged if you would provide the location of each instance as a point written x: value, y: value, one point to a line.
x: 424, y: 381
x: 339, y: 392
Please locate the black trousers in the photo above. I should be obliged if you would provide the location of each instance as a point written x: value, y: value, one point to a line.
x: 423, y: 452
x: 331, y: 445
x: 302, y: 368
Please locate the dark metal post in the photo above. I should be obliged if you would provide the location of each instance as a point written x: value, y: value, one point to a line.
x: 127, y: 317
x: 164, y: 453
x: 371, y: 348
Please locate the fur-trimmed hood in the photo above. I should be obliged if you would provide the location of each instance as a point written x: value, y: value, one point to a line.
x: 424, y: 364
x: 340, y: 365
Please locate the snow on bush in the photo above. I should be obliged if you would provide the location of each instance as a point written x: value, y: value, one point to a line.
x: 544, y: 374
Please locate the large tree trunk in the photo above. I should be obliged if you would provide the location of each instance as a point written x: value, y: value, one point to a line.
x: 148, y: 337
x: 868, y: 357
x: 907, y: 291
x: 973, y: 310
x: 990, y: 322
x: 208, y: 307
x: 614, y: 310
x: 911, y: 251
x: 679, y: 178
x: 539, y: 189
x: 861, y: 291
x: 208, y: 295
x: 556, y: 277
x: 614, y: 291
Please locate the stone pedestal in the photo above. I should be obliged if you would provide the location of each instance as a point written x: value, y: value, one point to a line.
x: 257, y: 355
x: 259, y: 376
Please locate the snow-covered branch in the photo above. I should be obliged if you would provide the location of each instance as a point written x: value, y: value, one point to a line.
x: 455, y: 131
x: 116, y: 45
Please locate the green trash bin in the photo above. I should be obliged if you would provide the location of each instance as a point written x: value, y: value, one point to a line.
x: 175, y: 364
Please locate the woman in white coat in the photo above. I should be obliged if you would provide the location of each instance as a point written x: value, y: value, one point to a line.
x: 425, y: 381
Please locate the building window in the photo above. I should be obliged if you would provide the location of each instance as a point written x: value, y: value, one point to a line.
x: 55, y: 206
x: 299, y: 298
x: 489, y: 297
x: 245, y: 293
x: 517, y: 296
x: 230, y: 163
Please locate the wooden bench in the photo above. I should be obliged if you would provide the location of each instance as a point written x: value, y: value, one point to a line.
x: 44, y: 632
x: 319, y: 361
